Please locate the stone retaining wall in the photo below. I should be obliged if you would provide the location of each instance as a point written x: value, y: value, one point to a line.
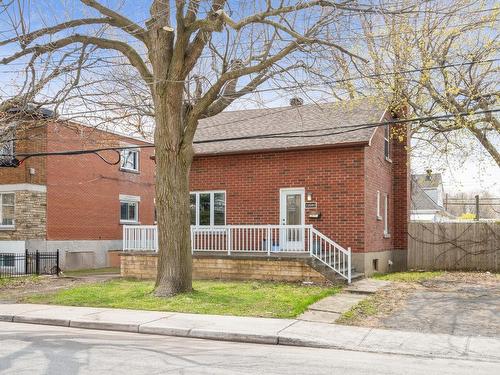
x: 143, y: 266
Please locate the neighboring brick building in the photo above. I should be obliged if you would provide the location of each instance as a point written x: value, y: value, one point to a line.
x: 74, y: 203
x: 354, y: 180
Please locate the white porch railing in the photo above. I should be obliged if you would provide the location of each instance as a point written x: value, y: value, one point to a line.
x: 265, y: 239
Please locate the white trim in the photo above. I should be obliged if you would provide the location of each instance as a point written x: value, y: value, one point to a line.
x: 9, y: 188
x: 381, y: 118
x: 379, y: 217
x: 386, y: 216
x: 130, y: 198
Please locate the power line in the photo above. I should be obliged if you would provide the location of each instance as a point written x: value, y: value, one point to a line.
x: 290, y: 134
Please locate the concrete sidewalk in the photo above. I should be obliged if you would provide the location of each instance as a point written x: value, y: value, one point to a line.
x: 257, y: 330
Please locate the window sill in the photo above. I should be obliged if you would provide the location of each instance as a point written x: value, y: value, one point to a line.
x: 136, y: 171
x: 388, y: 159
x: 387, y: 235
x: 7, y: 227
x: 130, y: 222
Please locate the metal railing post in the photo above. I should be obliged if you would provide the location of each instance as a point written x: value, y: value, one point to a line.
x: 269, y: 240
x: 349, y: 265
x: 229, y: 241
x: 26, y: 254
x: 37, y: 263
x: 57, y: 262
x: 311, y: 241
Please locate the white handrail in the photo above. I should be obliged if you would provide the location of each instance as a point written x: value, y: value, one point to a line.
x: 330, y: 253
x: 265, y: 239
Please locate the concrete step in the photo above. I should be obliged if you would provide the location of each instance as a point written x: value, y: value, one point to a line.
x: 366, y: 286
x: 319, y: 316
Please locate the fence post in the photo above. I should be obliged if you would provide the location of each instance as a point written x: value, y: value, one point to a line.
x: 57, y: 263
x: 349, y: 265
x: 26, y: 254
x: 37, y: 263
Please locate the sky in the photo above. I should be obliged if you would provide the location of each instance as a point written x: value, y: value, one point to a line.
x: 477, y: 173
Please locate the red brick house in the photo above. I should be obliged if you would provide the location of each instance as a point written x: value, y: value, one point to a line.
x: 75, y: 203
x: 315, y: 166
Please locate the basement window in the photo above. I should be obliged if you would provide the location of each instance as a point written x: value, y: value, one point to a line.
x: 208, y: 208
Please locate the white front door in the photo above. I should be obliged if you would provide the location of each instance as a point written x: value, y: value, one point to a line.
x: 292, y: 212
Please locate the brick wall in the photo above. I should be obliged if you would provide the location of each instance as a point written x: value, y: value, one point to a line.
x: 83, y: 191
x: 30, y: 217
x: 253, y: 181
x: 378, y: 177
x: 30, y: 137
x: 143, y: 266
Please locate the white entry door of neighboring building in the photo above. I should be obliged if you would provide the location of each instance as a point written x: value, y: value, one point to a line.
x: 292, y: 212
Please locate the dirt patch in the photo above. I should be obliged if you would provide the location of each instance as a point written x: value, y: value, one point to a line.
x: 17, y: 290
x: 454, y: 303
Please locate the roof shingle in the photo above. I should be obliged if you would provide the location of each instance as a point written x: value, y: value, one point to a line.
x: 312, y: 118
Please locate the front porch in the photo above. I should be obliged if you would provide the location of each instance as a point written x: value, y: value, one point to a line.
x: 254, y: 243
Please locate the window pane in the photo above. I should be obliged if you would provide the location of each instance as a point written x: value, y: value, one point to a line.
x: 132, y: 211
x: 123, y: 211
x: 192, y: 206
x: 130, y: 159
x: 219, y: 209
x: 8, y: 199
x: 204, y: 209
x: 8, y: 215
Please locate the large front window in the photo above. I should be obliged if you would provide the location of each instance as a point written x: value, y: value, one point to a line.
x: 7, y: 210
x: 208, y: 208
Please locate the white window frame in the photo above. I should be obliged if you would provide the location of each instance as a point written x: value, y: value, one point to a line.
x: 387, y: 141
x: 130, y: 199
x: 212, y: 201
x: 123, y: 158
x: 386, y: 216
x: 7, y: 149
x: 379, y: 217
x: 7, y: 227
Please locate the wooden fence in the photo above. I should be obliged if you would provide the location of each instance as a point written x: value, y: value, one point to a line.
x: 454, y: 246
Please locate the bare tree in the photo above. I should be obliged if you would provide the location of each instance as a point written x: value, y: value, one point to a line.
x: 440, y: 58
x: 192, y: 59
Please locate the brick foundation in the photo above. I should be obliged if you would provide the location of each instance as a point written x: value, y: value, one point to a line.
x: 143, y: 266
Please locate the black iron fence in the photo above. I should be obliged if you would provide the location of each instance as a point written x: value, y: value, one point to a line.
x: 29, y: 263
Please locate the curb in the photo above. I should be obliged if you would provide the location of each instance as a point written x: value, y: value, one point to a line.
x: 271, y: 339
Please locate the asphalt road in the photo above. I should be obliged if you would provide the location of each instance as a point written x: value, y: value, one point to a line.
x: 36, y: 349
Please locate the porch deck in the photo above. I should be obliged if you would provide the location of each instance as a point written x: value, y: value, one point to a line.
x: 251, y: 241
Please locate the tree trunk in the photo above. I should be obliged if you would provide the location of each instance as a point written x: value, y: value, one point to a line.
x: 173, y: 162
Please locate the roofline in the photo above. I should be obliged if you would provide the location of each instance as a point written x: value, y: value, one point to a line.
x: 287, y: 149
x: 127, y: 137
x: 376, y: 128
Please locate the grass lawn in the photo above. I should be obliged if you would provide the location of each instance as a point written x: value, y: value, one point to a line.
x: 266, y: 299
x: 410, y: 276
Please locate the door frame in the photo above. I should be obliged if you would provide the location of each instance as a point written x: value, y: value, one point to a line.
x: 284, y: 243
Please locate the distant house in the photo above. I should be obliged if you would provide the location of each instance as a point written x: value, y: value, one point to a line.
x: 427, y: 198
x: 75, y: 203
x: 294, y: 171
